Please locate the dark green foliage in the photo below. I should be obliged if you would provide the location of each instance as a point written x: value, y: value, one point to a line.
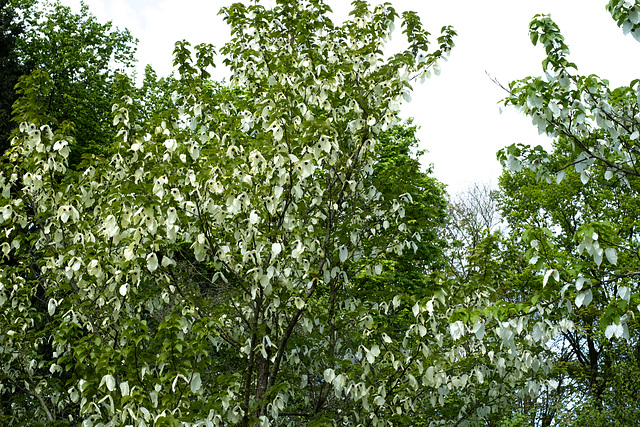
x: 81, y: 56
x: 11, y: 67
x: 398, y: 174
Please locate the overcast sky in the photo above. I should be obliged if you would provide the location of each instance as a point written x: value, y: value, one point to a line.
x: 461, y: 126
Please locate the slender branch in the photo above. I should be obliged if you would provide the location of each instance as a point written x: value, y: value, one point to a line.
x: 33, y: 391
x: 285, y: 337
x: 495, y: 80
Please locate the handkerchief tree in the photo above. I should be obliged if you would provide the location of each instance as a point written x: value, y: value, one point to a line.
x: 211, y: 272
x: 578, y: 222
x: 597, y: 130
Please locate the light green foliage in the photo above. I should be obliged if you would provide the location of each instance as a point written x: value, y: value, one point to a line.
x: 598, y: 131
x: 570, y: 209
x: 575, y: 208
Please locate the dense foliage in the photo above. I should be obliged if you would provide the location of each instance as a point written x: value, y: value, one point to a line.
x: 598, y: 131
x: 11, y: 68
x: 80, y: 55
x: 269, y: 251
x: 575, y: 208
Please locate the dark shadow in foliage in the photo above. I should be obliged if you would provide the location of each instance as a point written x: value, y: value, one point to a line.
x: 12, y: 66
x: 82, y: 58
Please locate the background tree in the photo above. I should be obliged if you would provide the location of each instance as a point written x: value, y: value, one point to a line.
x: 580, y: 230
x: 588, y: 359
x: 473, y: 216
x: 397, y: 173
x: 483, y: 255
x: 11, y: 67
x: 82, y: 57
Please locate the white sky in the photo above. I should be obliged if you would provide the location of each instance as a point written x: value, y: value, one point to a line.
x: 461, y: 126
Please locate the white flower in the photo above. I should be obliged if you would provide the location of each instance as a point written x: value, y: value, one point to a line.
x: 555, y: 109
x: 614, y: 330
x: 253, y: 217
x: 323, y: 145
x: 166, y: 261
x: 129, y: 252
x: 305, y: 168
x: 66, y: 212
x: 299, y: 302
x: 94, y: 268
x: 6, y: 212
x: 52, y: 306
x: 171, y: 145
x: 152, y: 261
x: 172, y: 216
x: 111, y: 226
x: 246, y: 123
x: 297, y: 252
x: 158, y: 188
x: 344, y: 253
x: 276, y: 248
x: 110, y: 382
x: 61, y: 147
x: 456, y: 329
